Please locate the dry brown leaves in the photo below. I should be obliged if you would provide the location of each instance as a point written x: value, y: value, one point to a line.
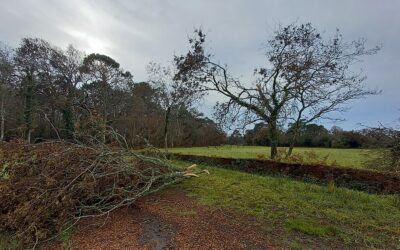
x: 44, y: 187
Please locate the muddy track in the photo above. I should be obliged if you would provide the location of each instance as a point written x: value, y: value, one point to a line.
x: 157, y: 234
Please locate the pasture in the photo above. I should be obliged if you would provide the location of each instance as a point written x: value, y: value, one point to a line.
x: 356, y: 158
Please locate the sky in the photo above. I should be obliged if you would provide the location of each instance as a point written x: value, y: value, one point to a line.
x: 138, y: 32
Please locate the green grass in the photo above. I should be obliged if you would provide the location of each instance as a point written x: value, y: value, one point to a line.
x: 299, y: 213
x: 343, y: 157
x: 309, y: 227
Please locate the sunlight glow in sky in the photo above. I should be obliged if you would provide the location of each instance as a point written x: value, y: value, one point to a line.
x: 137, y: 32
x: 93, y: 44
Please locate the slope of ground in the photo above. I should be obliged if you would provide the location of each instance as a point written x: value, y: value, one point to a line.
x: 343, y: 157
x: 304, y: 214
x: 233, y: 210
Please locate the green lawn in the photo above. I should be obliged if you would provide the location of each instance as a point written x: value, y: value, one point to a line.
x: 298, y: 214
x: 343, y: 157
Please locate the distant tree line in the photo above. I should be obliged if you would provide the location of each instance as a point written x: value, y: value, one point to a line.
x: 47, y: 92
x: 314, y: 135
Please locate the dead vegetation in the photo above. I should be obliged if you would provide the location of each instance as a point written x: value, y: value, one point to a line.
x: 389, y: 157
x: 46, y: 187
x: 309, y: 156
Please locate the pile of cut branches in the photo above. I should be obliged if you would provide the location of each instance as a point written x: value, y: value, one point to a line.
x: 46, y: 186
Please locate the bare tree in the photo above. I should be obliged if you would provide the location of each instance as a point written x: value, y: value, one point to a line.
x: 297, y: 58
x: 46, y: 90
x: 31, y: 60
x: 66, y: 64
x: 6, y: 78
x: 173, y: 94
x: 324, y: 78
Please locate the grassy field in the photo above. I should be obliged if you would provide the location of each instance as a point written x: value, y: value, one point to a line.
x: 299, y: 214
x: 343, y: 157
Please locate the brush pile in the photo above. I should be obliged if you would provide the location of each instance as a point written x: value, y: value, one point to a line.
x: 46, y: 186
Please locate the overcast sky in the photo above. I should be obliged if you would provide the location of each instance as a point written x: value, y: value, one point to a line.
x: 137, y: 32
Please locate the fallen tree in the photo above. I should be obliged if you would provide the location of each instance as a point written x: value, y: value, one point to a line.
x: 45, y: 187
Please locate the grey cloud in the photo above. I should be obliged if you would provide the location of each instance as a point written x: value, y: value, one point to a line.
x: 137, y: 32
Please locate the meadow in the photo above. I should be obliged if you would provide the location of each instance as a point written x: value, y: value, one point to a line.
x: 300, y: 215
x: 292, y: 214
x: 356, y: 158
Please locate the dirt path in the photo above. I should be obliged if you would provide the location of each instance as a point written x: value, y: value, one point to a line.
x: 169, y: 221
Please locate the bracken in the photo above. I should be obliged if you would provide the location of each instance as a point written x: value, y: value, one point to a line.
x: 46, y: 186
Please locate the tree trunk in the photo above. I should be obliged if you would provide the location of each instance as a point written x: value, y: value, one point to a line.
x: 273, y: 130
x: 68, y: 121
x: 28, y: 109
x: 291, y: 145
x: 293, y: 140
x: 295, y: 132
x: 2, y: 122
x: 28, y: 136
x: 167, y: 116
